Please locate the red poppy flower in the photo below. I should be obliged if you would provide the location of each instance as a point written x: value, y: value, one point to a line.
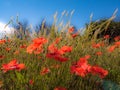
x: 44, y: 71
x: 2, y: 56
x: 31, y: 82
x: 12, y: 65
x: 36, y: 46
x: 81, y: 68
x: 40, y: 40
x: 65, y: 49
x: 71, y: 30
x: 98, y: 45
x: 60, y: 88
x: 52, y: 48
x: 111, y: 48
x: 98, y: 53
x: 87, y: 56
x: 107, y: 36
x: 57, y: 40
x: 20, y: 67
x: 23, y: 46
x: 117, y: 43
x: 74, y: 35
x: 57, y: 57
x: 8, y: 49
x: 95, y: 70
x: 2, y: 41
x: 38, y: 50
x: 117, y: 38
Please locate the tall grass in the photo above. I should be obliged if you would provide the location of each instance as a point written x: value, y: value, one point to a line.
x: 60, y: 76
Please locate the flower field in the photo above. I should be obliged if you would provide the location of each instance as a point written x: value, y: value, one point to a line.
x: 56, y: 61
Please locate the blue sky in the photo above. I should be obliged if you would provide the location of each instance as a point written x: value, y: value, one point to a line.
x: 35, y: 10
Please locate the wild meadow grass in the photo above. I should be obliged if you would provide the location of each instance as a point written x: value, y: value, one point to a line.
x: 46, y: 61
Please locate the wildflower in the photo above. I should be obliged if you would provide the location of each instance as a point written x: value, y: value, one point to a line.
x: 23, y: 46
x: 57, y: 40
x: 111, y: 48
x: 81, y: 68
x: 60, y: 88
x: 52, y: 48
x: 65, y: 49
x: 36, y: 46
x: 56, y: 53
x: 96, y: 70
x: 98, y: 45
x: 44, y: 71
x: 2, y: 56
x: 74, y: 35
x: 31, y: 48
x: 8, y: 49
x: 57, y: 57
x: 31, y: 82
x: 40, y: 40
x: 78, y: 71
x: 117, y: 38
x: 20, y: 67
x: 71, y: 30
x: 2, y: 41
x: 87, y: 56
x: 98, y: 53
x: 107, y: 36
x: 117, y: 43
x: 12, y: 65
x: 38, y: 50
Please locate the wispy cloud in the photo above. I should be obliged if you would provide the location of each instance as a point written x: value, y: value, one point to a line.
x: 5, y: 30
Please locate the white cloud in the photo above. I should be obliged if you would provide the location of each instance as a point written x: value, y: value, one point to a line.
x: 5, y: 30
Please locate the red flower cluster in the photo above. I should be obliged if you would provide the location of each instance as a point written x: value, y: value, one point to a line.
x: 57, y: 54
x: 2, y: 41
x: 36, y: 46
x: 12, y: 65
x: 97, y: 45
x: 82, y: 68
x: 112, y: 48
